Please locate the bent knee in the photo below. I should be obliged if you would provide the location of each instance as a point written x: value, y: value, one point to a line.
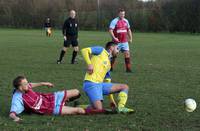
x: 80, y: 111
x: 77, y: 92
x: 73, y: 94
x: 126, y: 54
x: 125, y: 87
x: 64, y: 49
x: 76, y: 49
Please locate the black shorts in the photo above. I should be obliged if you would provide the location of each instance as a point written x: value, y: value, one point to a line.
x: 73, y: 42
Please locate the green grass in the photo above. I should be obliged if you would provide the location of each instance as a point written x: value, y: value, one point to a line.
x: 166, y: 71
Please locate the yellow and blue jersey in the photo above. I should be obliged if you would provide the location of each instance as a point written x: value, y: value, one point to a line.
x: 99, y: 58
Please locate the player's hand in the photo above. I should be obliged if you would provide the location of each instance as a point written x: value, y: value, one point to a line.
x: 90, y: 69
x: 48, y: 84
x: 130, y: 40
x: 17, y: 119
x: 65, y: 38
x: 116, y: 39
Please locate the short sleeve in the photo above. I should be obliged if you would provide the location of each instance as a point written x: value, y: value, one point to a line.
x: 96, y: 50
x: 17, y: 105
x: 128, y: 25
x: 108, y: 75
x: 113, y: 24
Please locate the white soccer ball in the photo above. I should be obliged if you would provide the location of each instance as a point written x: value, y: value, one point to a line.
x: 190, y: 105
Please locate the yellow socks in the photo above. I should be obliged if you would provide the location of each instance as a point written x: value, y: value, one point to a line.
x: 122, y: 97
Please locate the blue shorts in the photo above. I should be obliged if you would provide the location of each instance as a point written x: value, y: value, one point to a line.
x: 123, y: 46
x: 60, y: 98
x: 95, y: 91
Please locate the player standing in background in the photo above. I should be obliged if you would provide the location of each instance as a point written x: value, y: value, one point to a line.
x: 98, y: 67
x: 48, y: 28
x: 25, y: 99
x: 121, y: 33
x: 70, y: 33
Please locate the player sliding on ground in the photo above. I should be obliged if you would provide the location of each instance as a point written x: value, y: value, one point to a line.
x: 98, y: 67
x: 25, y: 99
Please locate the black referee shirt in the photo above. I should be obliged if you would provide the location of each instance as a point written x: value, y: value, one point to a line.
x: 70, y: 28
x: 47, y: 24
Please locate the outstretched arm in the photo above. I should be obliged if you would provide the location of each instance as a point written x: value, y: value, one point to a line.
x: 42, y: 84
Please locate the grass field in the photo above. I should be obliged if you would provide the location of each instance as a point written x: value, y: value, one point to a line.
x: 166, y: 71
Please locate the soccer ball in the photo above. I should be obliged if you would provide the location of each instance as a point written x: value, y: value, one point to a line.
x: 190, y: 105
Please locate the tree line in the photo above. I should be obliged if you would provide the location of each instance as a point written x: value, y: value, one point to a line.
x: 154, y: 16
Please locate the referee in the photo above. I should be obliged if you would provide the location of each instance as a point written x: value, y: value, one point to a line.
x: 70, y: 33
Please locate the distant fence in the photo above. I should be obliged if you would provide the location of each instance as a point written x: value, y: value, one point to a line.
x: 161, y: 15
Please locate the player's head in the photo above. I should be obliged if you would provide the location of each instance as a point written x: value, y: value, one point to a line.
x: 48, y: 19
x: 112, y: 47
x: 20, y: 83
x: 72, y: 14
x: 121, y: 13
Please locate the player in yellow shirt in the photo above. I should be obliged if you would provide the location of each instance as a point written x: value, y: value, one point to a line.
x: 98, y: 67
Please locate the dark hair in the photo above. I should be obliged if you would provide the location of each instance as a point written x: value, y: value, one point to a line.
x: 109, y: 44
x: 17, y: 81
x: 121, y: 10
